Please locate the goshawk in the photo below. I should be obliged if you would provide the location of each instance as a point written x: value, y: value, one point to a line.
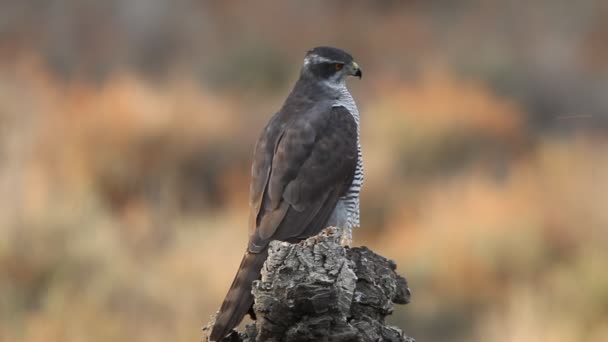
x: 306, y: 175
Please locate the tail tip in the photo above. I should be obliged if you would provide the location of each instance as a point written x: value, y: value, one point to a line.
x: 213, y: 332
x: 220, y: 334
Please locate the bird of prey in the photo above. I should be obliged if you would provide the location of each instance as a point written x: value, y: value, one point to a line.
x: 306, y: 174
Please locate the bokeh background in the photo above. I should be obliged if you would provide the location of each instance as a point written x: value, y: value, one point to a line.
x: 127, y: 128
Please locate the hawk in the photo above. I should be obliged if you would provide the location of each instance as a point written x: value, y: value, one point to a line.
x: 306, y: 175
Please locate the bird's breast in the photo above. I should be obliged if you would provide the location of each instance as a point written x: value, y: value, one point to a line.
x: 349, y: 203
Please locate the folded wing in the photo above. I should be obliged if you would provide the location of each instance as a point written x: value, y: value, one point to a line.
x: 296, y: 188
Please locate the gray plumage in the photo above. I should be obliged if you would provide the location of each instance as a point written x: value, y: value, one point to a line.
x: 306, y: 174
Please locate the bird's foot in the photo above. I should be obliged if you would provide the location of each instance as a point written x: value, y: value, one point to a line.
x: 346, y: 238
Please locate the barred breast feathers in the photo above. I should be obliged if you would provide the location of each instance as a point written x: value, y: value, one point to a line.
x: 351, y: 198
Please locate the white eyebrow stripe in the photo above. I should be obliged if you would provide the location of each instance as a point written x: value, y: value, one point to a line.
x: 318, y: 59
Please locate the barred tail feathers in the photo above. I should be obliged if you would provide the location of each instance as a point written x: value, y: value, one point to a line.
x: 239, y: 298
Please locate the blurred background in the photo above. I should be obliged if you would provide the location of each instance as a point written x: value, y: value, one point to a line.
x: 127, y: 129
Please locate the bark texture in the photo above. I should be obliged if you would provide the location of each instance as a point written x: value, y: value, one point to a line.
x: 317, y: 290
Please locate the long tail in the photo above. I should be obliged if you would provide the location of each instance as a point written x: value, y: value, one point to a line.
x: 239, y: 298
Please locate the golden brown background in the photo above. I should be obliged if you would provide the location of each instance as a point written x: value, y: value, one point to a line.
x: 126, y: 132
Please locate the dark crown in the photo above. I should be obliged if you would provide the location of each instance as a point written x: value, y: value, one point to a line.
x: 331, y: 53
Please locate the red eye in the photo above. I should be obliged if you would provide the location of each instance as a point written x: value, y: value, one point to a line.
x: 339, y: 66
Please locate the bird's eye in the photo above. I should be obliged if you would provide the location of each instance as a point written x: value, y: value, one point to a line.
x: 339, y: 66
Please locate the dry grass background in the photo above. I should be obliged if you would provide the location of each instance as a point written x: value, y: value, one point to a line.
x: 126, y: 132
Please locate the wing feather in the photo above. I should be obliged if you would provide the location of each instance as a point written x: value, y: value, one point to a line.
x: 301, y: 168
x: 312, y: 165
x: 261, y: 166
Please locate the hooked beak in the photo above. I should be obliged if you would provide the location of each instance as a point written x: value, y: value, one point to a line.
x: 356, y: 71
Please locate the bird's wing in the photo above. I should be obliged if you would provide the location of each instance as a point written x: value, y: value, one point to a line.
x: 300, y: 170
x: 303, y: 163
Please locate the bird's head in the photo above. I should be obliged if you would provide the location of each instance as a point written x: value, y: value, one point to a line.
x: 330, y: 65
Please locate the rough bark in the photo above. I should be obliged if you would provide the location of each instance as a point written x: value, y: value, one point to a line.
x: 317, y: 290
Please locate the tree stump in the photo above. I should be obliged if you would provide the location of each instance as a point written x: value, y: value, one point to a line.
x: 317, y: 290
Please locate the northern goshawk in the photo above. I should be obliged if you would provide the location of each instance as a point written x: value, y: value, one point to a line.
x: 306, y: 175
